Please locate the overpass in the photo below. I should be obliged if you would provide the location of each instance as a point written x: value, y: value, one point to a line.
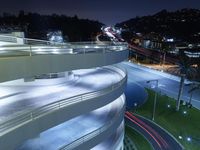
x: 169, y: 58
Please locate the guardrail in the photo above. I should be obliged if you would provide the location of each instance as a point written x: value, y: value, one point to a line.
x: 35, y: 47
x: 44, y: 110
x: 94, y: 133
x: 5, y: 38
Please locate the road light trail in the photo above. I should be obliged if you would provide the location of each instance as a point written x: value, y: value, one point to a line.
x: 158, y: 143
x: 150, y: 129
x: 158, y: 137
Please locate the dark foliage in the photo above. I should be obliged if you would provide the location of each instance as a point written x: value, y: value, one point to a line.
x: 183, y: 24
x: 36, y: 25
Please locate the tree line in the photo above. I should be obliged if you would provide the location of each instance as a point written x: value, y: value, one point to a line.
x: 36, y: 25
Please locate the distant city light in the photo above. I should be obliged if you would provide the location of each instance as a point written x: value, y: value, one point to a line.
x: 113, y: 33
x: 170, y: 40
x: 190, y: 45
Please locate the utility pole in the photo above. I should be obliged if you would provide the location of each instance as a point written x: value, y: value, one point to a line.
x: 155, y: 99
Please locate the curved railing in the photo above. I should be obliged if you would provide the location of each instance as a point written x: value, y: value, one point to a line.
x: 44, y: 110
x: 94, y: 133
x: 36, y: 47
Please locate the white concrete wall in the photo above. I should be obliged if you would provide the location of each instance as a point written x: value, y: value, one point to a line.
x: 17, y: 136
x: 26, y: 67
x: 101, y: 137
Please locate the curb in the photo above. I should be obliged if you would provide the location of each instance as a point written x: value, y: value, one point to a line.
x: 132, y: 142
x: 142, y: 136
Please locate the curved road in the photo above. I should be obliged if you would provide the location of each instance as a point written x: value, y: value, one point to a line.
x: 159, y: 139
x: 135, y: 93
x: 16, y: 99
x: 67, y: 132
x: 167, y: 84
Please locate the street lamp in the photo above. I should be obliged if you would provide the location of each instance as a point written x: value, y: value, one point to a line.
x: 155, y: 98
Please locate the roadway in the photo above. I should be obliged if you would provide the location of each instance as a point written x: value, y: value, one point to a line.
x: 159, y: 139
x: 157, y: 55
x: 167, y: 84
x: 135, y: 94
x: 67, y: 132
x: 18, y: 97
x: 112, y: 142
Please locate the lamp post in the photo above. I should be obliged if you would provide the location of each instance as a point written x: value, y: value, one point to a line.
x: 155, y: 98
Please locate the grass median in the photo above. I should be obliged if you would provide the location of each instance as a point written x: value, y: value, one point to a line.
x: 184, y: 125
x: 140, y: 142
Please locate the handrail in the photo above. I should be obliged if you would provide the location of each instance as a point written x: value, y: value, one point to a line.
x: 6, y: 38
x: 67, y: 48
x: 92, y: 134
x: 31, y: 41
x: 49, y: 108
x: 14, y: 39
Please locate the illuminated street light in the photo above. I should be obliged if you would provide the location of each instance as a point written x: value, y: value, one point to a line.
x: 168, y: 105
x: 184, y: 112
x: 189, y: 139
x: 180, y: 137
x: 155, y: 98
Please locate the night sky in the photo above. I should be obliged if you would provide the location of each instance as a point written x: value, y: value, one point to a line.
x: 106, y: 11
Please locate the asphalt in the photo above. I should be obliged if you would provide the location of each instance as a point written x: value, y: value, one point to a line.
x: 136, y: 94
x: 71, y: 130
x: 159, y: 139
x: 167, y: 84
x: 20, y: 97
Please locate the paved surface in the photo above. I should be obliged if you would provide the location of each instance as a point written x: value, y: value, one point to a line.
x: 151, y: 131
x: 56, y: 137
x: 17, y: 97
x: 135, y: 93
x: 159, y: 139
x: 168, y: 84
x: 111, y: 142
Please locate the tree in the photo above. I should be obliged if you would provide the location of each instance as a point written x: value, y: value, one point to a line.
x: 185, y: 70
x: 164, y: 49
x: 195, y: 86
